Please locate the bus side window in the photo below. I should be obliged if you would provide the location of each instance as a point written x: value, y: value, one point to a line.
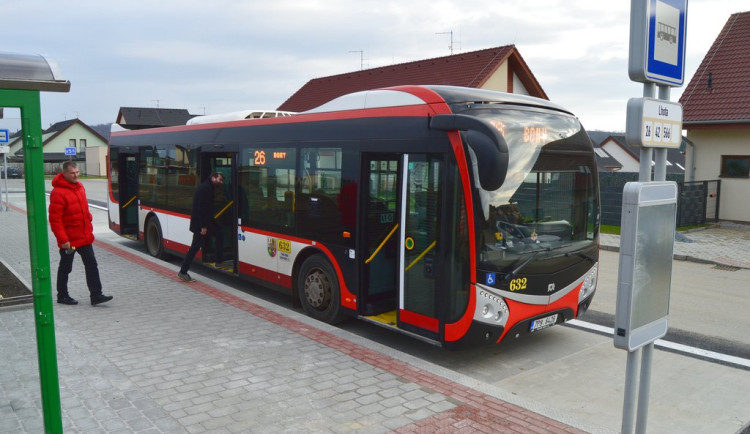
x: 289, y: 201
x: 264, y: 182
x: 320, y: 186
x: 255, y: 199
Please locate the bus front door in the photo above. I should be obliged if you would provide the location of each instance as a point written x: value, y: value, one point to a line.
x: 221, y: 244
x: 403, y: 250
x: 127, y: 166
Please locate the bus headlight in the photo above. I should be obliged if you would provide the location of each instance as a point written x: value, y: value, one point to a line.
x: 589, y: 283
x: 491, y: 308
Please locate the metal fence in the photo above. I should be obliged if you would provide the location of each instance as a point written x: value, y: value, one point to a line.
x: 52, y: 168
x: 697, y: 202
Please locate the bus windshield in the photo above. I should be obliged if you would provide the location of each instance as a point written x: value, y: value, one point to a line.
x: 548, y: 205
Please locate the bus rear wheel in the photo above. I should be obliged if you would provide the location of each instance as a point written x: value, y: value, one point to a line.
x: 154, y: 239
x: 318, y: 290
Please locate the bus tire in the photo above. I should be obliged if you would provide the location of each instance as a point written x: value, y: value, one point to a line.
x: 154, y: 239
x: 318, y: 290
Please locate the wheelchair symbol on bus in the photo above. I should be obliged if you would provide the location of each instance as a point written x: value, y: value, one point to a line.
x: 491, y: 278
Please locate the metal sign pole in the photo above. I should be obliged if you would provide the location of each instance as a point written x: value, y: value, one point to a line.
x: 657, y: 55
x: 4, y: 149
x: 660, y: 174
x: 5, y: 178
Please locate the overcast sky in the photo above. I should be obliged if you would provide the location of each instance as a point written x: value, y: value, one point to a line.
x: 222, y: 55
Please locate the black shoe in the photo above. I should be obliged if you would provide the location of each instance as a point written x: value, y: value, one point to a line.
x: 66, y: 299
x: 99, y: 299
x: 185, y: 277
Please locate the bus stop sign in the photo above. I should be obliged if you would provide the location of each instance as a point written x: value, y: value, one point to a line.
x: 657, y: 41
x: 653, y: 123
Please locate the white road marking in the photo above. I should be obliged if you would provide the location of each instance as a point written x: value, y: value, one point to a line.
x: 712, y: 355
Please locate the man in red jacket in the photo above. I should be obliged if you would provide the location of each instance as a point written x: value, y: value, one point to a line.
x: 70, y: 220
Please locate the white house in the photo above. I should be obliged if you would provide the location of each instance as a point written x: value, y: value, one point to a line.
x: 716, y: 115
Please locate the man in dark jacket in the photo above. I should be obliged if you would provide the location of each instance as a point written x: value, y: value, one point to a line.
x: 201, y: 219
x: 70, y: 220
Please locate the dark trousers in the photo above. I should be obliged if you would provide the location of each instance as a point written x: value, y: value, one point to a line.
x: 195, y: 245
x: 218, y: 235
x: 89, y: 263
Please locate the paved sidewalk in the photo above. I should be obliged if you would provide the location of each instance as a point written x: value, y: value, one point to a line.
x: 723, y: 243
x: 169, y: 357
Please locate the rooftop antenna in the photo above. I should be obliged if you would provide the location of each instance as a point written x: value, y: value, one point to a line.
x: 157, y: 102
x: 361, y: 58
x: 448, y: 33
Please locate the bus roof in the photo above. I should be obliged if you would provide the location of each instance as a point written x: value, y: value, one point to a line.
x: 238, y: 115
x: 368, y: 99
x: 458, y: 95
x: 402, y: 96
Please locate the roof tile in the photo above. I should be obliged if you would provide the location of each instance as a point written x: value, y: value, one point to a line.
x: 469, y: 69
x: 720, y: 89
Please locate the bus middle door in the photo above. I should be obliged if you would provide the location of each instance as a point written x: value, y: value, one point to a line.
x: 421, y: 247
x: 128, y: 189
x: 222, y: 244
x: 402, y: 226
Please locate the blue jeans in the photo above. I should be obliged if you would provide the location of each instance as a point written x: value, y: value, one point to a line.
x: 89, y: 263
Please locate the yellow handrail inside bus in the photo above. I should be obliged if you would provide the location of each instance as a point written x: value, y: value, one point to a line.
x: 421, y: 255
x: 381, y: 245
x: 129, y: 202
x: 218, y: 214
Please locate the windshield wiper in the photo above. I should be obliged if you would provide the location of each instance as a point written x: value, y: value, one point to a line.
x: 583, y: 255
x: 513, y: 273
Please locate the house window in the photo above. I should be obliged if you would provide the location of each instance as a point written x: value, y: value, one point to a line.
x: 735, y: 166
x: 72, y: 143
x: 82, y: 143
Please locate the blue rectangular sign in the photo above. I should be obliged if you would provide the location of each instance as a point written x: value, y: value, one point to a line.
x: 70, y: 151
x: 3, y: 136
x: 658, y: 30
x: 666, y: 41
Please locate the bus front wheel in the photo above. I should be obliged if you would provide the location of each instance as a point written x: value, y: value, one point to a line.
x: 318, y: 290
x: 154, y: 238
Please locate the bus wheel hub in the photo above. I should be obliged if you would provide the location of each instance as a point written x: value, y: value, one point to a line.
x: 317, y: 289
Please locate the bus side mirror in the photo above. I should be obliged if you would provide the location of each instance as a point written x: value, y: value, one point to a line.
x: 492, y: 164
x: 486, y: 142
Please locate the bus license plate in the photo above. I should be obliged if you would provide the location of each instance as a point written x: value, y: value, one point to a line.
x: 543, y: 323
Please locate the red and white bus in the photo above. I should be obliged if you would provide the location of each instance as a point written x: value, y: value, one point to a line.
x: 456, y: 215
